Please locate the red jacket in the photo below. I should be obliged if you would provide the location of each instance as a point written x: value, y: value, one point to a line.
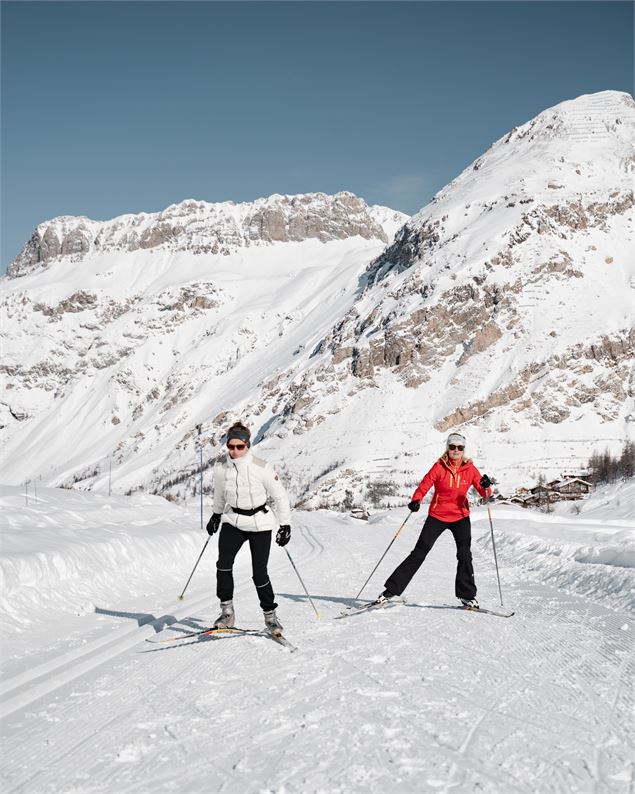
x: 451, y: 485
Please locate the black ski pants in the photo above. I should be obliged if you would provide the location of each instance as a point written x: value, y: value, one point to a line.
x: 230, y: 541
x: 464, y: 586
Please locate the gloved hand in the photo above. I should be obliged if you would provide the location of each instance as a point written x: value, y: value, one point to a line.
x: 486, y: 482
x: 414, y: 506
x: 284, y: 535
x: 214, y: 523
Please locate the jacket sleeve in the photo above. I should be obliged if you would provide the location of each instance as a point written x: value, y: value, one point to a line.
x: 277, y: 493
x: 219, y: 489
x: 425, y: 484
x: 476, y: 482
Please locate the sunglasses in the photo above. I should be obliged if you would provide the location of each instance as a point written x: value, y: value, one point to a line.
x: 236, y: 446
x: 460, y: 447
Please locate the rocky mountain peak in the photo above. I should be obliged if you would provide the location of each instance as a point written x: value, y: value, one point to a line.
x: 200, y: 227
x: 576, y: 159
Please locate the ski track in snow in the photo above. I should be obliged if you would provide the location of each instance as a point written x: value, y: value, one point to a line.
x: 415, y: 698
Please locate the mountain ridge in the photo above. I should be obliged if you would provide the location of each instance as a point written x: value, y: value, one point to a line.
x: 202, y: 228
x: 503, y: 307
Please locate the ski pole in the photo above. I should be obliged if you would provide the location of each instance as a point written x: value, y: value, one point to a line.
x: 302, y: 583
x: 491, y: 526
x: 194, y: 568
x: 396, y: 535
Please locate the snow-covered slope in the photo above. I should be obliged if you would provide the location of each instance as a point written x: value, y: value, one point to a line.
x: 504, y: 307
x: 121, y: 352
x: 542, y: 701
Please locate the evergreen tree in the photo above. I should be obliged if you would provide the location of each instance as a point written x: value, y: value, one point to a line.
x: 626, y: 463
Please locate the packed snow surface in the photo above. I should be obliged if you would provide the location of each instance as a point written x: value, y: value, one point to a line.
x: 419, y: 697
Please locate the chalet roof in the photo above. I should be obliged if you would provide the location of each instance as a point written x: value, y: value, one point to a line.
x: 541, y: 488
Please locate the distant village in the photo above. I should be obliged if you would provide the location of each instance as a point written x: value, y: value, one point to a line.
x: 567, y: 488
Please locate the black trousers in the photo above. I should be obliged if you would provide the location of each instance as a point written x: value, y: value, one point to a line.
x: 464, y: 586
x: 230, y: 541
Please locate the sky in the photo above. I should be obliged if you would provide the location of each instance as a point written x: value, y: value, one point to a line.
x: 116, y: 107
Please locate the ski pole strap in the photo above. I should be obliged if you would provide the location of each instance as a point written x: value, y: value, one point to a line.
x: 251, y: 512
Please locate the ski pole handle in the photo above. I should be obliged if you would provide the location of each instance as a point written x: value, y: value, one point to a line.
x: 396, y: 535
x: 194, y: 568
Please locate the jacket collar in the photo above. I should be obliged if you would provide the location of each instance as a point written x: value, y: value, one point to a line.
x: 240, y: 462
x: 448, y: 465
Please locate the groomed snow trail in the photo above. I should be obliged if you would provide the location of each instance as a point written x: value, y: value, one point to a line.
x: 415, y: 698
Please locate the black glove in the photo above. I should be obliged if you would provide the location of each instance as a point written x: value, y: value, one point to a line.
x: 284, y: 535
x: 486, y: 482
x: 213, y: 523
x: 414, y: 506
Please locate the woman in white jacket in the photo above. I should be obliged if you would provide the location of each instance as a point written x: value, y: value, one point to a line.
x: 243, y: 486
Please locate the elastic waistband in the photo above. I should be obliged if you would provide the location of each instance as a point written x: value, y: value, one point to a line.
x: 251, y: 512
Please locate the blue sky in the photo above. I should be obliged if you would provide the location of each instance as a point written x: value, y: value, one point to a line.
x: 120, y: 107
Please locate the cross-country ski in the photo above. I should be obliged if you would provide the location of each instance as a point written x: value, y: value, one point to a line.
x: 208, y: 632
x: 500, y: 612
x: 370, y: 607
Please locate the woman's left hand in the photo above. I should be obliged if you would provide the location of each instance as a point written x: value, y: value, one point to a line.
x: 284, y: 535
x: 486, y: 482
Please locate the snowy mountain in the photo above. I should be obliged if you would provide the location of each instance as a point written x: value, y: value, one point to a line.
x: 503, y: 307
x: 119, y: 349
x: 198, y: 227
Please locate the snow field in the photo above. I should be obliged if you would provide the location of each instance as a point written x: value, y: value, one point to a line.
x: 414, y: 698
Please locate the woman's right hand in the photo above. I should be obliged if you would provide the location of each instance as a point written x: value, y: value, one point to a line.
x: 414, y: 506
x: 213, y: 524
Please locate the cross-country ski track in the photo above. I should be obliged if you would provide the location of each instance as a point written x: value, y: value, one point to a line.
x: 414, y: 698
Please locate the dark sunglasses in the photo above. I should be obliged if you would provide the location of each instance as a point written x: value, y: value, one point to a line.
x: 460, y: 447
x: 236, y: 446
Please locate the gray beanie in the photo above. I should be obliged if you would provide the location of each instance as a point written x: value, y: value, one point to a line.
x: 239, y: 434
x: 455, y: 438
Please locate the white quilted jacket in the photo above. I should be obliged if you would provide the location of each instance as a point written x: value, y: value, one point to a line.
x: 247, y: 483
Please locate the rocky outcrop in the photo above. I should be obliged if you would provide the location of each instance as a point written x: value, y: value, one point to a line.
x: 411, y: 243
x: 202, y: 228
x: 548, y: 390
x: 77, y: 302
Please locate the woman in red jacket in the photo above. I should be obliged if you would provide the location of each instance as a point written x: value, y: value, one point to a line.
x: 452, y: 477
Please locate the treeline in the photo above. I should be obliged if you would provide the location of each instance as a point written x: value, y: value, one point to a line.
x: 604, y: 468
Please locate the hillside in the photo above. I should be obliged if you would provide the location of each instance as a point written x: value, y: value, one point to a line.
x: 504, y: 308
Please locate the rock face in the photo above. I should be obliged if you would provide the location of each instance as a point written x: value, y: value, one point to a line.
x: 503, y: 308
x: 198, y: 227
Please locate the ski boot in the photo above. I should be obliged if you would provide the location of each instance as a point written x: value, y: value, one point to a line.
x: 226, y: 619
x: 385, y: 598
x: 272, y: 624
x: 469, y: 603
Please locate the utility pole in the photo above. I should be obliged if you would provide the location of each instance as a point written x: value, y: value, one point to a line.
x: 200, y: 448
